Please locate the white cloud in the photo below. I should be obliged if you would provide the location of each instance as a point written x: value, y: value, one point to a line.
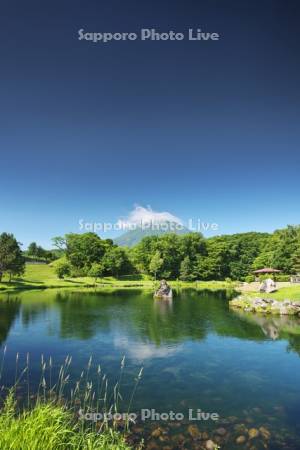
x: 141, y: 350
x: 140, y: 216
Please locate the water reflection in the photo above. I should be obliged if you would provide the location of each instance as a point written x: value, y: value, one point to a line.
x: 9, y: 311
x: 137, y: 316
x: 196, y: 352
x: 276, y: 327
x: 163, y: 306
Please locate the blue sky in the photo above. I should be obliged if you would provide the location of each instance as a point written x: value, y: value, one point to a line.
x: 201, y: 130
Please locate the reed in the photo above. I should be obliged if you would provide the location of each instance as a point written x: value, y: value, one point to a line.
x: 49, y: 418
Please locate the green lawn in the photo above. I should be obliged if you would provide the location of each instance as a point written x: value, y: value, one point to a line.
x: 39, y: 276
x: 284, y: 293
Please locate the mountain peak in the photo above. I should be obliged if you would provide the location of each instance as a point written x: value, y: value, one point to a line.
x: 135, y: 235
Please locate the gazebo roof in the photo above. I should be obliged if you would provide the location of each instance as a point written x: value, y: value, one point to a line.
x: 267, y: 270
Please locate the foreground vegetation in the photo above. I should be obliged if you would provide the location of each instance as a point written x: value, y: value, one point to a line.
x: 49, y: 426
x: 51, y: 414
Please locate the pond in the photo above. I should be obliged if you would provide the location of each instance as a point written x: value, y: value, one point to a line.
x: 196, y: 354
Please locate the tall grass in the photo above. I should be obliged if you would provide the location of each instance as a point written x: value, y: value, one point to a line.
x: 48, y: 419
x: 48, y: 426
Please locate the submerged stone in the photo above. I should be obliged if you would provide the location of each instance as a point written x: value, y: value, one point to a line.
x: 249, y: 420
x: 152, y: 445
x: 210, y: 445
x: 221, y: 431
x: 265, y: 433
x: 240, y: 440
x: 232, y: 419
x: 179, y: 438
x: 194, y: 432
x: 256, y: 410
x: 157, y: 432
x: 253, y: 433
x: 240, y: 428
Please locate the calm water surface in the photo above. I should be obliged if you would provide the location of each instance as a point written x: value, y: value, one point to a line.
x: 194, y: 351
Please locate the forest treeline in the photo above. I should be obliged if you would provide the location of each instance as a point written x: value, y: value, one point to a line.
x: 187, y: 257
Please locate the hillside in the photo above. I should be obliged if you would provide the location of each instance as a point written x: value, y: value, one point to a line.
x: 133, y: 237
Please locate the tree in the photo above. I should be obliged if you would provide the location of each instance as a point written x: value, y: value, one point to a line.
x: 215, y: 265
x: 170, y: 249
x: 142, y: 253
x: 82, y: 250
x: 49, y: 255
x: 97, y: 271
x: 63, y: 269
x: 284, y: 243
x: 155, y: 263
x: 116, y: 261
x: 264, y: 259
x: 193, y: 244
x: 186, y: 270
x: 32, y: 249
x: 296, y: 261
x: 12, y: 260
x: 39, y: 252
x: 59, y: 242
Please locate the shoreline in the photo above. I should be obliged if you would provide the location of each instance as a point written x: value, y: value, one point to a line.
x: 266, y: 305
x: 42, y: 277
x: 213, y: 286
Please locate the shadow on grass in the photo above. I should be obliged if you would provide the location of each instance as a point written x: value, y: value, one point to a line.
x: 74, y: 282
x: 12, y: 283
x: 135, y: 277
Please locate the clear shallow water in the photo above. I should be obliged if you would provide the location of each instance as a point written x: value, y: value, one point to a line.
x: 196, y: 353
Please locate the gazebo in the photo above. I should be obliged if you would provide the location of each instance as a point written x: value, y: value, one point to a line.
x: 266, y: 271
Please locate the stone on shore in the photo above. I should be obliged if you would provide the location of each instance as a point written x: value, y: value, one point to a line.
x: 266, y: 306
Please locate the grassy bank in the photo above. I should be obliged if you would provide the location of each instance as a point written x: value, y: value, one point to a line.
x: 42, y: 276
x: 49, y: 426
x: 52, y: 413
x: 289, y: 293
x: 284, y: 291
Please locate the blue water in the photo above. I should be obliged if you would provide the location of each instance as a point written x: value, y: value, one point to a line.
x: 194, y: 351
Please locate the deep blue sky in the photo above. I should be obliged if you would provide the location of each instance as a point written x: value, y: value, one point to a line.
x: 205, y: 130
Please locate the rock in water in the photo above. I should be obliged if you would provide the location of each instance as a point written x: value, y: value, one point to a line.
x: 194, y: 431
x: 164, y: 290
x: 240, y: 440
x: 265, y: 433
x: 210, y: 445
x: 221, y: 431
x: 253, y: 433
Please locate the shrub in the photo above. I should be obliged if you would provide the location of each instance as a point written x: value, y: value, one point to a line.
x: 249, y: 278
x: 63, y: 269
x: 282, y: 277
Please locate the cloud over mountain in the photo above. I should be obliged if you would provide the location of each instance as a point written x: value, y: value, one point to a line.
x: 140, y: 216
